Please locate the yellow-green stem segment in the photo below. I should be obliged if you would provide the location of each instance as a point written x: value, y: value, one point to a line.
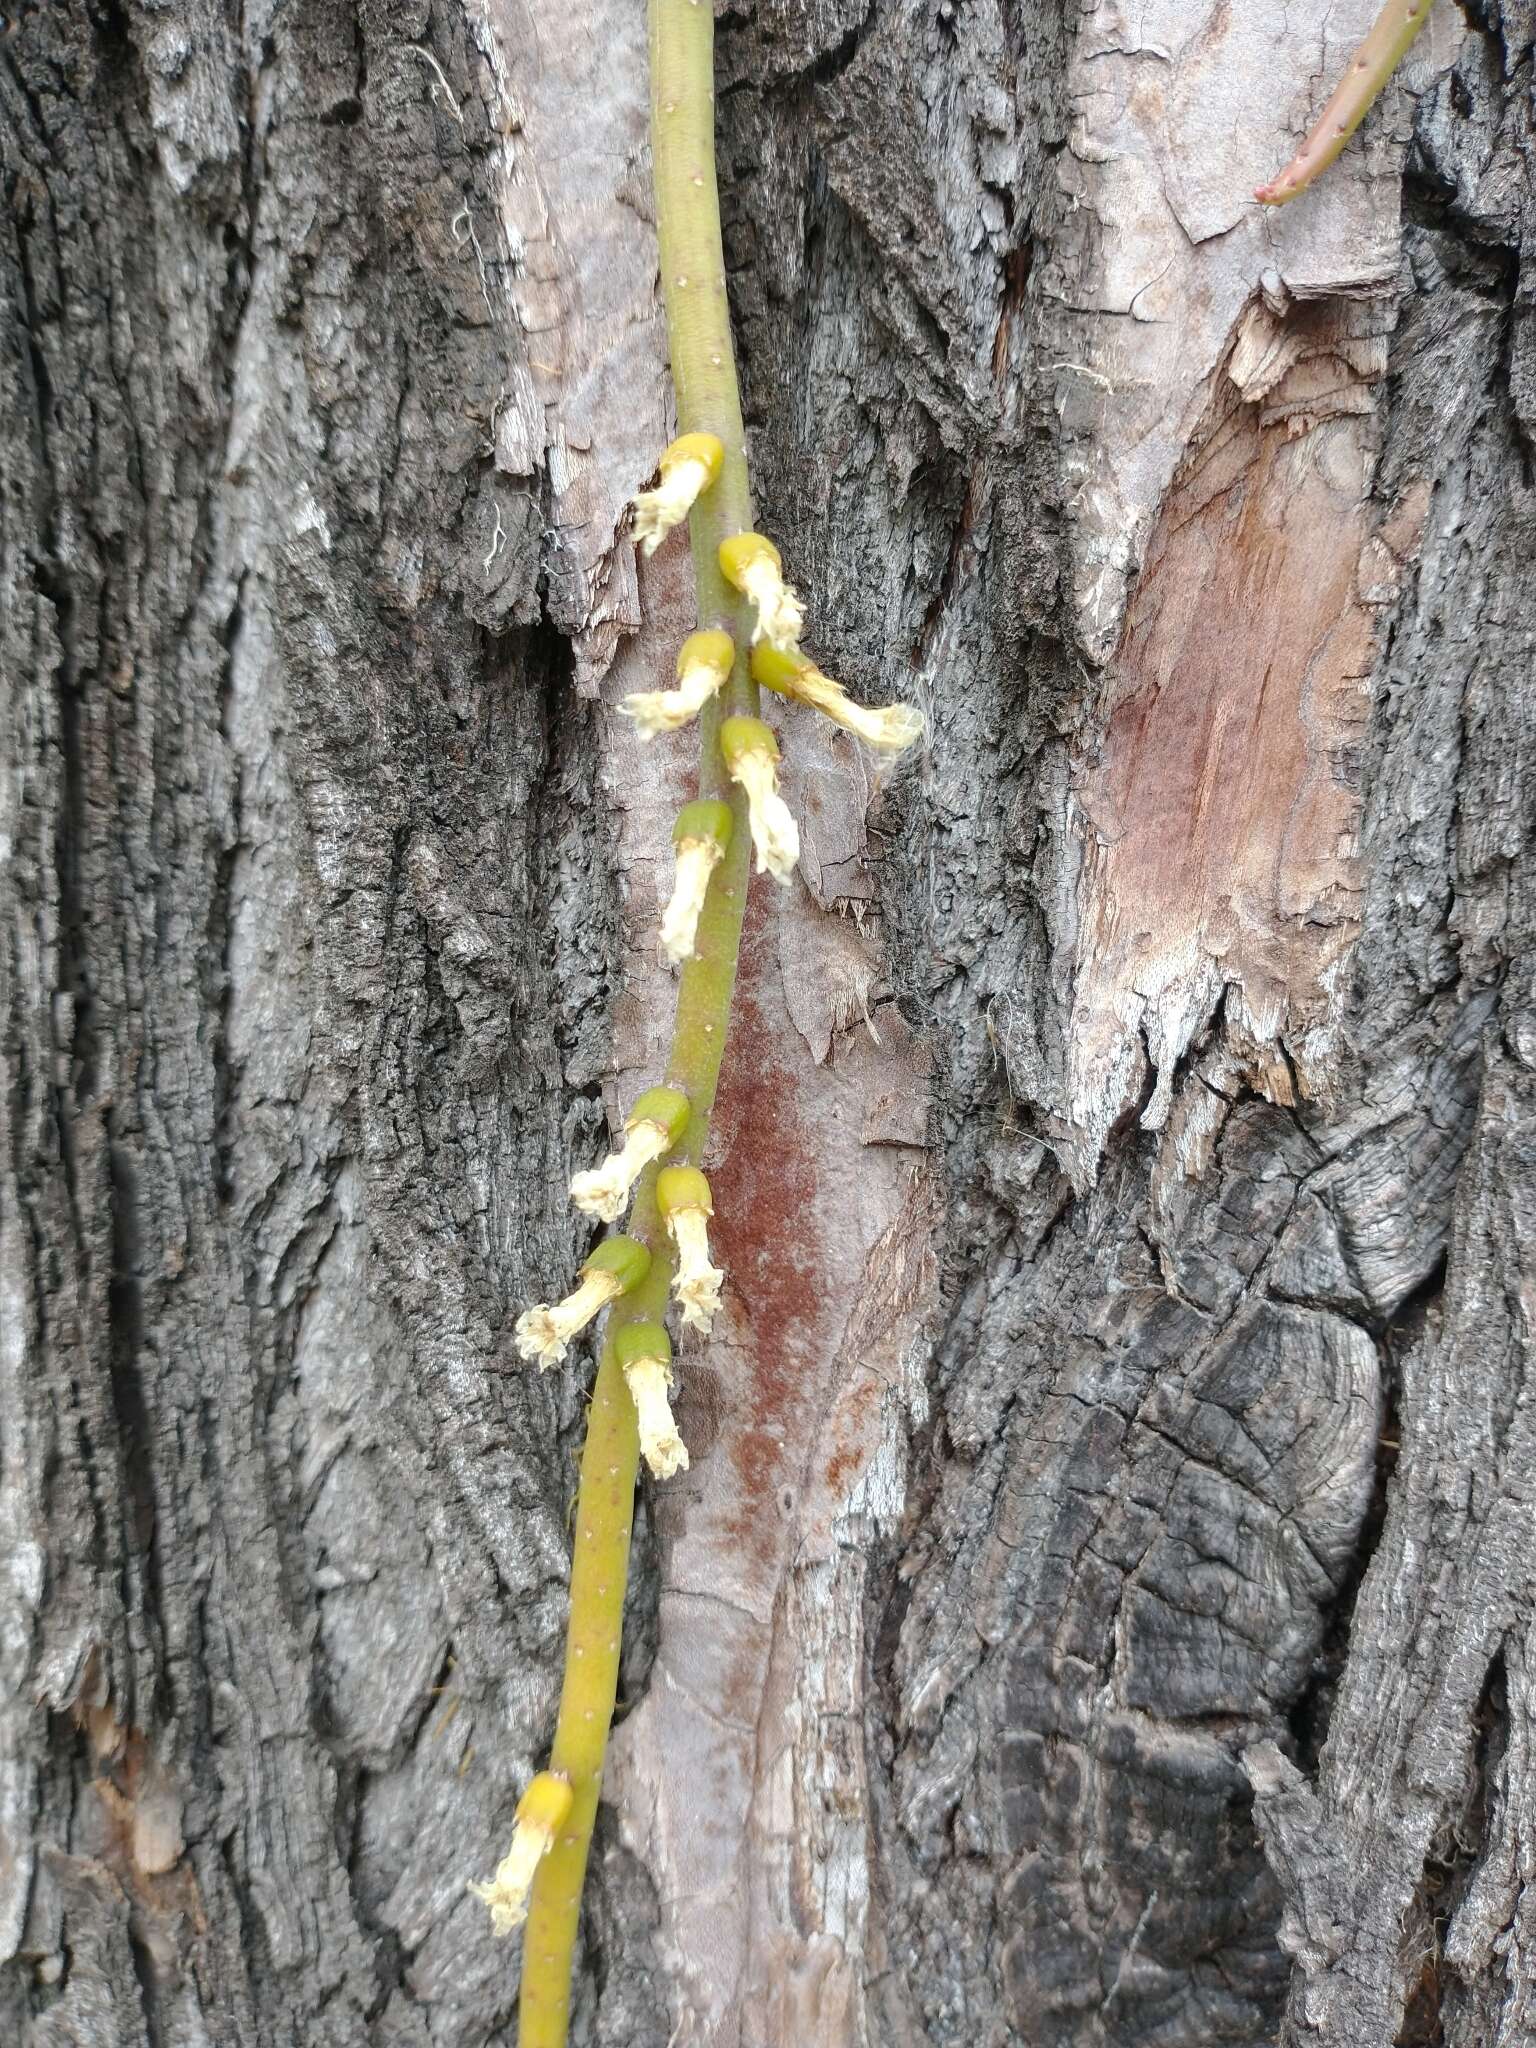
x: 682, y: 35
x: 1369, y: 69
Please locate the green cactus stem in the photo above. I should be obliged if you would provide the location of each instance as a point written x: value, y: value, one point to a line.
x: 708, y: 402
x: 1369, y: 69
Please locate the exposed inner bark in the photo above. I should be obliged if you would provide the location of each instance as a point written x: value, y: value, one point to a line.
x: 1222, y: 813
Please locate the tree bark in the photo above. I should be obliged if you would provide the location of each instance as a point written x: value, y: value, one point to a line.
x: 1101, y: 1607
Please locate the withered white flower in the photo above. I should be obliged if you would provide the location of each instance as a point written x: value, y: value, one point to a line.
x: 701, y: 835
x: 645, y: 1353
x: 683, y: 1197
x: 751, y: 756
x: 703, y: 663
x: 543, y: 1334
x: 889, y: 731
x: 752, y: 564
x: 541, y: 1813
x: 653, y: 1127
x: 688, y: 467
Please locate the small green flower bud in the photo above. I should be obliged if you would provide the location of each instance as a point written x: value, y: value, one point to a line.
x: 642, y: 1340
x: 712, y: 649
x: 683, y: 1187
x: 707, y: 818
x: 742, y: 736
x: 665, y: 1106
x: 775, y: 669
x: 741, y: 552
x: 708, y: 450
x: 624, y: 1257
x: 546, y: 1805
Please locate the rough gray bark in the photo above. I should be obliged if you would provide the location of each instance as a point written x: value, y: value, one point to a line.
x: 1101, y: 1610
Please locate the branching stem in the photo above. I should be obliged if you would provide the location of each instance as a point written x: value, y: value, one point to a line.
x: 682, y: 36
x: 1369, y: 69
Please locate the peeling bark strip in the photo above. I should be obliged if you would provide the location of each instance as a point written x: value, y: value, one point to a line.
x: 571, y: 269
x: 1221, y: 817
x: 1216, y: 385
x: 313, y: 990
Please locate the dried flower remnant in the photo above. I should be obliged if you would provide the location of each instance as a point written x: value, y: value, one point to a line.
x: 703, y: 663
x: 654, y: 1126
x: 683, y: 1197
x: 700, y: 837
x: 751, y: 760
x: 644, y: 1350
x: 753, y: 565
x: 541, y: 1814
x: 545, y: 1332
x: 889, y: 731
x: 688, y: 468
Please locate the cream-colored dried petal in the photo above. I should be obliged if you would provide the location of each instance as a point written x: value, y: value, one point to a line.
x: 656, y: 711
x: 543, y: 1334
x: 780, y: 614
x: 604, y: 1191
x: 696, y: 1284
x: 658, y: 511
x: 889, y: 731
x: 775, y: 836
x: 697, y: 860
x: 661, y: 1446
x: 507, y: 1892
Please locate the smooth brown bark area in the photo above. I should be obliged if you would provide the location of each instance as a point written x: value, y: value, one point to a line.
x: 1101, y: 1608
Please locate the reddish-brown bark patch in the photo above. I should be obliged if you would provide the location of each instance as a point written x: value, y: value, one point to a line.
x: 765, y: 1233
x: 858, y: 1437
x: 1220, y: 817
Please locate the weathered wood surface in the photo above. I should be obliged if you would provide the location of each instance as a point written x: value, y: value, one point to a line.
x: 1100, y: 1611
